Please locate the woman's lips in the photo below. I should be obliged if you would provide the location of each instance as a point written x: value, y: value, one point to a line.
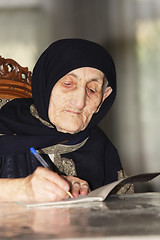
x: 71, y: 111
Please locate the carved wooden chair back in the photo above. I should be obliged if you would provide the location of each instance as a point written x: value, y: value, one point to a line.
x: 15, y: 81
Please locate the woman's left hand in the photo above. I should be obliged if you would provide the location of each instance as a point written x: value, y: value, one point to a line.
x: 78, y: 186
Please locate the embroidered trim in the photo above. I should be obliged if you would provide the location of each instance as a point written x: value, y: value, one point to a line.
x: 65, y: 166
x: 62, y: 149
x: 127, y: 188
x: 35, y: 114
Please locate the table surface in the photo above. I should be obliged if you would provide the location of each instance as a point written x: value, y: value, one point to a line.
x: 135, y: 216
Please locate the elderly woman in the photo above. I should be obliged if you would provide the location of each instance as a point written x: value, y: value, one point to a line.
x: 73, y: 87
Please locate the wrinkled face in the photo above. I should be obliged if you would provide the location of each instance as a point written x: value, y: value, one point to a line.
x: 75, y: 98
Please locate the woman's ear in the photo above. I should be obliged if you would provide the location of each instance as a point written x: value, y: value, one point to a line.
x: 106, y: 94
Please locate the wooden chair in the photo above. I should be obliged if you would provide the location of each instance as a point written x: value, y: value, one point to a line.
x: 15, y: 81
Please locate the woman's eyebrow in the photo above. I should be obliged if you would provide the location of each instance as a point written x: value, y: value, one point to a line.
x: 91, y: 80
x: 73, y: 75
x: 98, y: 80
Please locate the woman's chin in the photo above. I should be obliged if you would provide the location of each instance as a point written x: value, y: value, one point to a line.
x: 69, y: 130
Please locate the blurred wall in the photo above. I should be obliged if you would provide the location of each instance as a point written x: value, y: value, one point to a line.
x: 130, y: 30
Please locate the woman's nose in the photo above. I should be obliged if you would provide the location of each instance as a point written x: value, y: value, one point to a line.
x: 78, y: 99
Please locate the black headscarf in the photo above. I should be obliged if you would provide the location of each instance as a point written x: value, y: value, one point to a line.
x: 21, y: 130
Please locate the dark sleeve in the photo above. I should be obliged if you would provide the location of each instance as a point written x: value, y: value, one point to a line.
x: 18, y: 165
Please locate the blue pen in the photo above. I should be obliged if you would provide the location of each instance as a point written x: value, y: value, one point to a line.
x: 39, y: 158
x: 44, y: 163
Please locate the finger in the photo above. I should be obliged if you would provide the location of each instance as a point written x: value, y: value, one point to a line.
x: 48, y: 185
x: 49, y: 193
x: 75, y: 189
x: 84, y: 189
x: 55, y: 192
x: 53, y: 177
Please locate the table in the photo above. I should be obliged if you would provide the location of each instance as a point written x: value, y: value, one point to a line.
x: 134, y: 216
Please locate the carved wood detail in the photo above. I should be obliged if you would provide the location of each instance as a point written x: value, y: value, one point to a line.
x: 15, y: 81
x: 10, y: 69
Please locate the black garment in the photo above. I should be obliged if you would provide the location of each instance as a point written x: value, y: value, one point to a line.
x: 97, y: 161
x: 21, y: 130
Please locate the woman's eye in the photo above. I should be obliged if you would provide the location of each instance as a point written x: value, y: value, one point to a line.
x: 91, y: 90
x: 67, y: 83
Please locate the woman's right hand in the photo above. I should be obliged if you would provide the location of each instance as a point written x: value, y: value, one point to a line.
x: 44, y: 185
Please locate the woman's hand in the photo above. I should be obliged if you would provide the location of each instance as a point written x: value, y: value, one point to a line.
x: 45, y: 185
x: 77, y: 186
